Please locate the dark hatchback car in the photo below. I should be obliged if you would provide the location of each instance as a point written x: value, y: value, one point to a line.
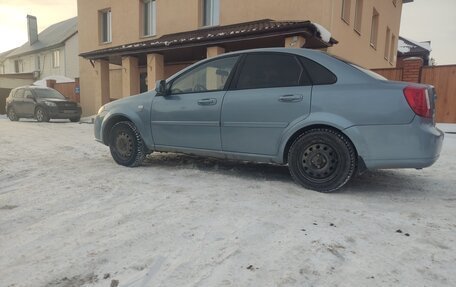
x: 40, y: 103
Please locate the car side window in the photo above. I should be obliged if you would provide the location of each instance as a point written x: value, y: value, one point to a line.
x: 211, y: 76
x: 28, y: 94
x: 319, y: 74
x: 270, y: 70
x: 19, y: 94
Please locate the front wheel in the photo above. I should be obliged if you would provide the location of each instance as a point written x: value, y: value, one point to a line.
x: 322, y: 159
x: 126, y: 145
x: 12, y: 115
x: 41, y: 115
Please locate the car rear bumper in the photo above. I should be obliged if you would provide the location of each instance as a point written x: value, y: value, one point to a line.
x: 415, y: 145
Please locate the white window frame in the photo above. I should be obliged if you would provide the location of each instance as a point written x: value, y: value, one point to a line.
x: 345, y: 13
x: 2, y: 69
x: 19, y: 65
x: 374, y: 28
x: 214, y: 16
x: 393, y: 55
x: 56, y: 58
x: 150, y: 22
x: 387, y: 44
x: 358, y: 16
x: 108, y: 31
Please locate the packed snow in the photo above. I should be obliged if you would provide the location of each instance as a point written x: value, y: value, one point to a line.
x: 404, y: 47
x: 70, y: 216
x: 57, y: 78
x: 325, y: 35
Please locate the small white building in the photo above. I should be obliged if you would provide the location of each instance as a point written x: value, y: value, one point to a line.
x: 52, y: 52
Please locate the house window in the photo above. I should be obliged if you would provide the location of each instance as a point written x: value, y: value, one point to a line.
x: 56, y: 59
x: 387, y: 43
x: 38, y: 63
x: 374, y: 28
x: 211, y: 12
x: 149, y: 17
x: 18, y: 66
x: 346, y: 4
x: 105, y: 26
x: 358, y: 15
x: 393, y: 50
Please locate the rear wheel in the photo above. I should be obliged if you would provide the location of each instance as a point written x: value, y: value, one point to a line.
x: 322, y: 159
x: 41, y: 115
x: 12, y: 115
x: 126, y: 145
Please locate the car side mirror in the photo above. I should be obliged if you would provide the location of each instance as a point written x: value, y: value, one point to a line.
x: 160, y: 88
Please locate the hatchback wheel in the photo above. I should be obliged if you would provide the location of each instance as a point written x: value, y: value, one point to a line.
x: 41, y: 115
x: 12, y: 115
x: 126, y: 145
x: 322, y: 159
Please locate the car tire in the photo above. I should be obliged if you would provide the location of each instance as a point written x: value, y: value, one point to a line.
x: 322, y: 159
x: 12, y: 115
x: 41, y: 115
x: 126, y: 144
x: 75, y: 120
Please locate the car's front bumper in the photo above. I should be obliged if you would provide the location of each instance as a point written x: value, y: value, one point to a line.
x: 97, y: 128
x: 57, y: 113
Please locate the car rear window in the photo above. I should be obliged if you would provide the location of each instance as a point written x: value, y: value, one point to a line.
x: 319, y: 74
x: 270, y: 70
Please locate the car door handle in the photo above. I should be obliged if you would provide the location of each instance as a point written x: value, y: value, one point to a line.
x: 207, y: 102
x: 290, y: 98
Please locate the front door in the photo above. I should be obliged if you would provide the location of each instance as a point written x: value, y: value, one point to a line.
x: 271, y: 92
x: 188, y: 116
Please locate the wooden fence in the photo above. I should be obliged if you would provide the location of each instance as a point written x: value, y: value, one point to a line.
x: 68, y: 90
x: 443, y: 78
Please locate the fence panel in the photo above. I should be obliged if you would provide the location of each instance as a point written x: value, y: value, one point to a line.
x: 68, y: 90
x: 391, y: 74
x: 443, y: 78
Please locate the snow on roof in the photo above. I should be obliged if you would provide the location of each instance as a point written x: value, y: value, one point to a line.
x: 406, y: 45
x: 58, y: 79
x: 325, y: 35
x: 53, y: 35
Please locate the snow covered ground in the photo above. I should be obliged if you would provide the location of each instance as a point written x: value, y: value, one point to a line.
x: 69, y: 216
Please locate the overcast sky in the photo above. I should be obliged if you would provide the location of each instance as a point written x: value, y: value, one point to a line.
x: 422, y: 20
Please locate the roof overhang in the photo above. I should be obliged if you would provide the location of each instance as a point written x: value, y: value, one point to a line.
x: 229, y: 36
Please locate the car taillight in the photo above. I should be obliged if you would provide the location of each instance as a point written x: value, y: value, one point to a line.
x: 418, y: 100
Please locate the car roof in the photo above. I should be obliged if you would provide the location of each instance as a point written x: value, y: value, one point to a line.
x: 34, y: 87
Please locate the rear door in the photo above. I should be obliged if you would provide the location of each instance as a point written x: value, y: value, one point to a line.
x: 270, y: 92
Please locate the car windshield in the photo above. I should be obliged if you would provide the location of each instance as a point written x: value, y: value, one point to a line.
x: 48, y: 94
x: 361, y: 69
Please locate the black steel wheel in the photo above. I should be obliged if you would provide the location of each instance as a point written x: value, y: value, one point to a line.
x: 322, y: 159
x: 126, y: 145
x: 12, y: 115
x: 41, y: 115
